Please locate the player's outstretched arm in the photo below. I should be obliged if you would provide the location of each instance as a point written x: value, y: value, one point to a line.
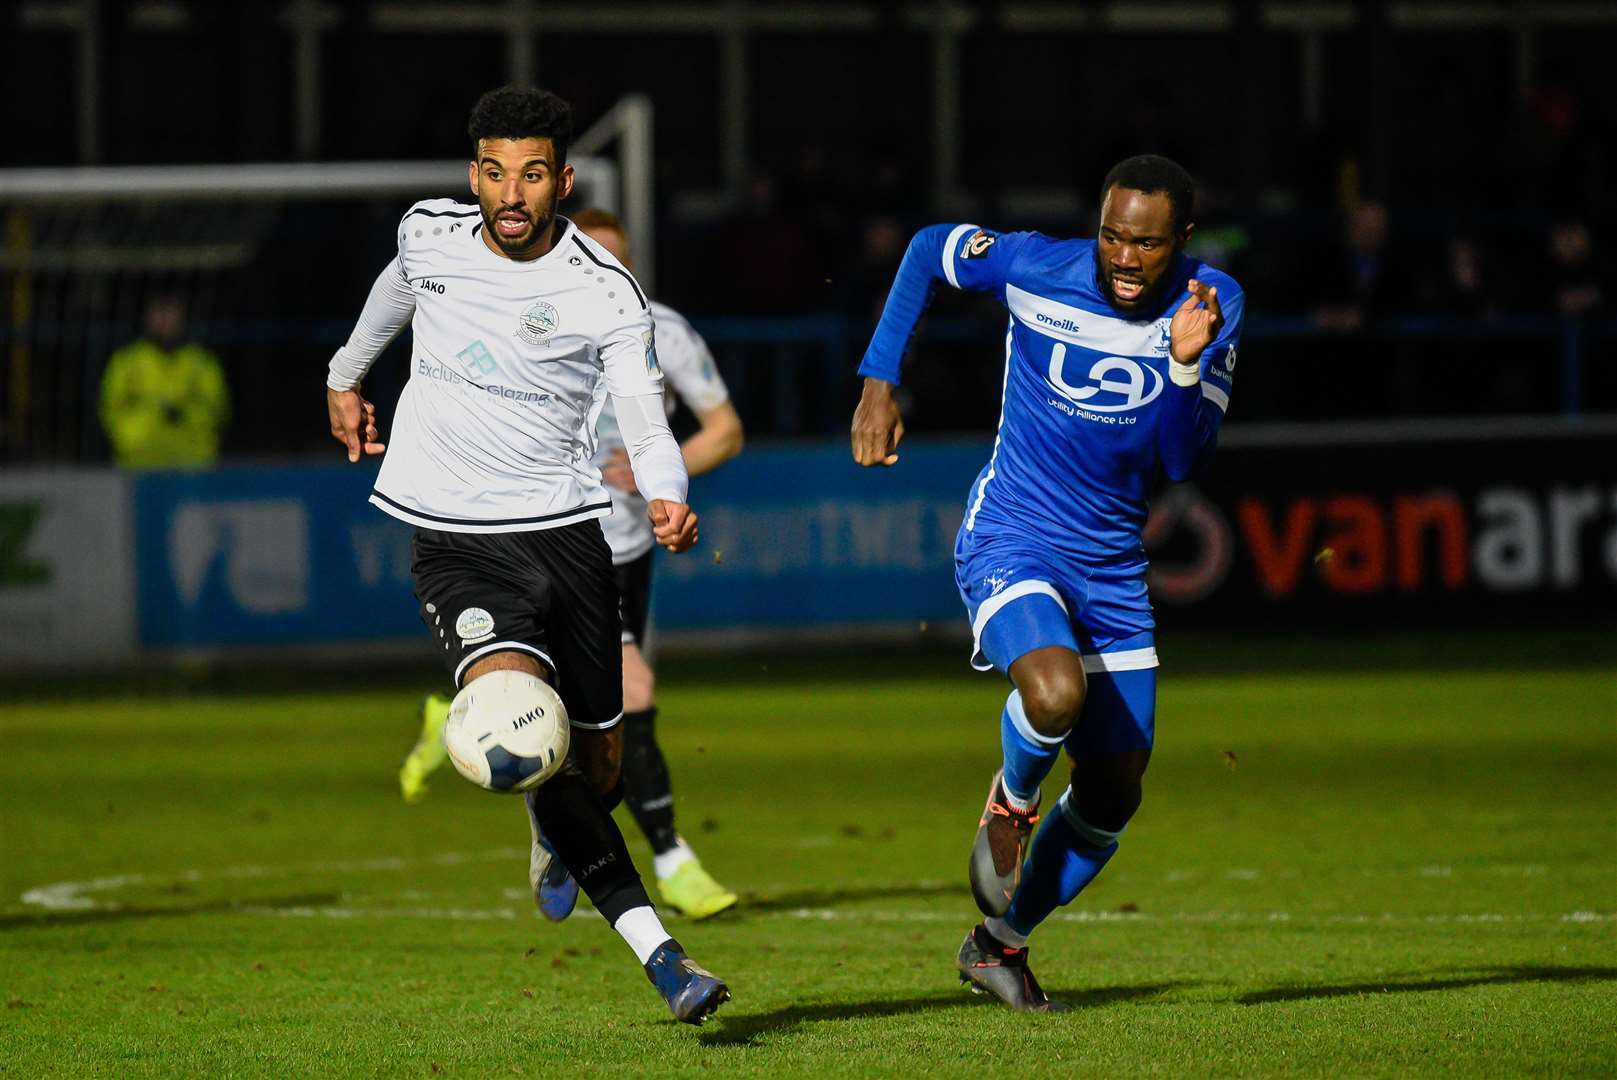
x: 658, y: 468
x: 962, y: 256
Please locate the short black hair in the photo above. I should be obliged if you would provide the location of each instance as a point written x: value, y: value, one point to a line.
x: 1153, y: 173
x: 518, y: 112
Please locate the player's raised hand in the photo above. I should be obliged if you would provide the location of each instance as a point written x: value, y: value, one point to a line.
x: 353, y: 422
x: 1196, y: 323
x: 673, y: 524
x: 877, y: 427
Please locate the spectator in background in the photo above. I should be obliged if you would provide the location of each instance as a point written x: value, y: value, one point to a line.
x: 1464, y: 285
x: 862, y: 286
x: 164, y: 400
x: 1573, y: 277
x: 775, y: 247
x: 1362, y: 280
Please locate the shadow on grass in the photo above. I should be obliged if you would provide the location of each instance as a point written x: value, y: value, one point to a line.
x: 52, y: 919
x: 746, y: 1030
x: 825, y: 898
x: 1481, y: 977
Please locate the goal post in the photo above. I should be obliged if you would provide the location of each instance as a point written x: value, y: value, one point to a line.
x: 629, y: 126
x: 269, y: 261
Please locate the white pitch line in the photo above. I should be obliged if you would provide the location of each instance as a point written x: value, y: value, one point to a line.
x: 459, y: 914
x: 69, y: 895
x: 336, y: 912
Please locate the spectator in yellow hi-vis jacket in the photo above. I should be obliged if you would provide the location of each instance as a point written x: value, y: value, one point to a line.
x: 164, y: 400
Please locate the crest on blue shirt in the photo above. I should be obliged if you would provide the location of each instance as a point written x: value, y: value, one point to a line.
x: 977, y: 244
x: 1165, y: 342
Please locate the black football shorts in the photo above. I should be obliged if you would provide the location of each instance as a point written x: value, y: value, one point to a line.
x: 550, y: 593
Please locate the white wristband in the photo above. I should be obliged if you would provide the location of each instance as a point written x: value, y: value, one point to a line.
x: 1184, y: 374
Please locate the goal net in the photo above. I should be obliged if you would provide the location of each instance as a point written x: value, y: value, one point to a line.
x: 268, y: 263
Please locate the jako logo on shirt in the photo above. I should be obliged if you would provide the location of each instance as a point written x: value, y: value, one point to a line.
x: 538, y: 322
x: 1117, y: 384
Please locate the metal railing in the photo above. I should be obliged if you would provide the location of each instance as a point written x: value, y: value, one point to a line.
x: 768, y: 362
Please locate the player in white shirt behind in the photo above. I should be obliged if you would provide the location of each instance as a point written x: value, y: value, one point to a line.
x: 688, y: 365
x: 521, y: 329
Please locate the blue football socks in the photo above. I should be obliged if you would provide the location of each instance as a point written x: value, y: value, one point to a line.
x: 1067, y: 854
x: 1028, y: 755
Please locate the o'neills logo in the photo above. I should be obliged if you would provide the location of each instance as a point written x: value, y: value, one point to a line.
x: 1060, y: 324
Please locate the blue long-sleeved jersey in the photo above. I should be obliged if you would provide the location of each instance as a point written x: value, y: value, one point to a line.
x: 1090, y: 413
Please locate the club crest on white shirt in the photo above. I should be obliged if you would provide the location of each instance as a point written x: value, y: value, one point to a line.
x: 539, y: 321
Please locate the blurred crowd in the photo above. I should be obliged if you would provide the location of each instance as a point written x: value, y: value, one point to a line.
x: 1460, y: 234
x: 1369, y: 263
x: 1508, y: 218
x: 810, y: 243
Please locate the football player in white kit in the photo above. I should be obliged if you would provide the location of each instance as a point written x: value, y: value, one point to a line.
x: 688, y: 365
x: 521, y: 329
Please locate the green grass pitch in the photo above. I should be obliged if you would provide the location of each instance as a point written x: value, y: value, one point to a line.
x: 1385, y: 871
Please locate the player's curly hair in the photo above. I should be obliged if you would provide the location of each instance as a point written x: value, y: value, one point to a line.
x: 1153, y: 173
x: 517, y: 112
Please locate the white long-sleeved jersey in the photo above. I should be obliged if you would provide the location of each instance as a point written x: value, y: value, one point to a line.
x: 691, y: 376
x: 511, y: 363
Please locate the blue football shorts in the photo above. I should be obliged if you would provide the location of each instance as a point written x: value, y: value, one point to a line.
x: 1020, y: 598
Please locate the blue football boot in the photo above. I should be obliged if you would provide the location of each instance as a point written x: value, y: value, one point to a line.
x: 692, y: 994
x: 554, y: 889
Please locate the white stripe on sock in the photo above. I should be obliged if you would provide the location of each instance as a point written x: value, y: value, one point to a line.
x: 1024, y: 726
x: 1021, y: 804
x: 1093, y: 835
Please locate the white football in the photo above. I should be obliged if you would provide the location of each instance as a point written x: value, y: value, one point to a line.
x: 507, y: 731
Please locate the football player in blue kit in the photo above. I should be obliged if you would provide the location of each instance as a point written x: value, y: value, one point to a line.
x: 1119, y: 355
